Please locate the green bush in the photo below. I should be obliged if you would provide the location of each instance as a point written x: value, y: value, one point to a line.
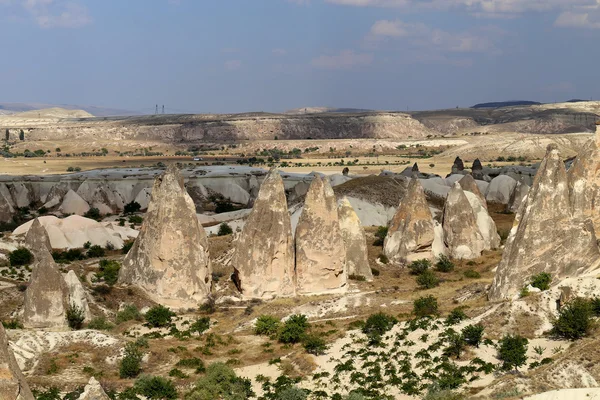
x: 457, y: 315
x: 473, y: 334
x: 512, y: 351
x: 294, y: 329
x: 427, y: 280
x: 75, y: 317
x: 100, y: 324
x: 126, y: 247
x: 20, y: 256
x: 383, y: 259
x: 444, y: 264
x: 417, y: 267
x: 425, y: 306
x: 224, y: 229
x: 380, y: 235
x: 193, y: 362
x: 132, y: 207
x: 95, y: 251
x: 456, y: 345
x: 267, y: 325
x: 159, y: 316
x: 354, y: 277
x: 12, y: 324
x: 221, y: 382
x: 155, y: 388
x: 109, y: 271
x: 200, y: 325
x: 595, y: 305
x: 135, y: 219
x: 128, y: 313
x: 131, y: 364
x: 93, y: 213
x: 574, y: 320
x: 472, y: 274
x: 375, y: 271
x: 377, y: 325
x: 541, y: 281
x: 314, y: 344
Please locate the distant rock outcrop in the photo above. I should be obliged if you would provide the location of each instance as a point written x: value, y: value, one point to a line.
x: 13, y: 385
x: 468, y: 183
x: 320, y: 251
x: 37, y: 240
x: 477, y: 170
x: 73, y: 204
x: 93, y: 391
x: 461, y: 231
x: 545, y: 236
x: 355, y: 241
x: 458, y: 166
x: 7, y: 211
x: 264, y: 252
x: 500, y: 189
x: 412, y: 228
x: 517, y: 196
x: 169, y: 259
x: 46, y: 296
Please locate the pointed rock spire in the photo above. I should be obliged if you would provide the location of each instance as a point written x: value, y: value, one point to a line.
x: 517, y: 196
x: 477, y: 170
x: 320, y: 252
x: 461, y: 232
x: 415, y: 167
x: 458, y: 166
x: 468, y: 183
x: 264, y: 252
x: 169, y: 259
x: 7, y: 211
x: 412, y: 227
x: 93, y: 391
x: 12, y: 382
x: 46, y: 297
x: 77, y: 295
x: 355, y: 241
x: 545, y: 237
x: 37, y: 239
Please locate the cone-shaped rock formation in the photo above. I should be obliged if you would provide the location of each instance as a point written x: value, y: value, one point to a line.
x: 468, y: 183
x: 320, y: 251
x: 545, y: 237
x: 93, y: 391
x: 169, y: 259
x: 264, y: 252
x: 37, y: 239
x: 12, y: 382
x: 355, y: 241
x: 461, y: 232
x: 412, y: 227
x: 517, y: 196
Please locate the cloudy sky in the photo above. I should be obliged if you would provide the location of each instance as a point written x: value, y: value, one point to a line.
x: 273, y: 55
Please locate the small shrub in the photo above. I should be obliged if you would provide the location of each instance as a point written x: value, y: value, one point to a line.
x: 425, y: 306
x: 42, y: 210
x: 574, y: 320
x: 194, y: 363
x: 109, y: 271
x: 380, y: 235
x: 135, y: 219
x: 541, y: 281
x: 224, y: 229
x: 444, y: 264
x: 95, y: 251
x: 131, y: 364
x: 20, y: 256
x: 457, y: 315
x: 354, y: 277
x: 314, y: 344
x: 100, y: 323
x: 377, y: 325
x: 512, y: 351
x: 427, y: 280
x: 93, y: 213
x: 75, y: 317
x: 472, y: 274
x: 87, y: 245
x: 473, y: 334
x: 159, y: 316
x: 132, y: 207
x: 383, y: 259
x: 12, y: 324
x: 267, y: 325
x: 595, y: 306
x: 200, y: 325
x: 456, y: 345
x: 221, y: 382
x: 417, y: 267
x: 294, y: 329
x: 155, y: 388
x: 524, y: 292
x: 375, y: 271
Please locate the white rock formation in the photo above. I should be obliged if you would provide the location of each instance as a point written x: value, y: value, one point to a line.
x: 77, y: 295
x: 355, y: 241
x: 93, y: 391
x: 73, y: 204
x: 500, y: 189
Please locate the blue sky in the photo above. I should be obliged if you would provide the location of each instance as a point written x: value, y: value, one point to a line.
x: 273, y: 55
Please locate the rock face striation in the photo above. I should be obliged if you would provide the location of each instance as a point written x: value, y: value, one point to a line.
x: 93, y: 391
x: 169, y: 260
x: 546, y: 235
x: 320, y: 251
x: 355, y: 241
x: 46, y: 296
x: 37, y: 240
x: 12, y: 382
x: 517, y: 196
x: 264, y: 252
x: 77, y: 295
x: 461, y: 232
x: 412, y: 228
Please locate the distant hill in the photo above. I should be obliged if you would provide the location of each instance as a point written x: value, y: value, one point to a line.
x: 320, y: 110
x: 54, y: 112
x: 9, y: 108
x: 512, y: 103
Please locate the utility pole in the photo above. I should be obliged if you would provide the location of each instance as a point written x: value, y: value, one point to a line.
x: 156, y: 110
x: 163, y: 109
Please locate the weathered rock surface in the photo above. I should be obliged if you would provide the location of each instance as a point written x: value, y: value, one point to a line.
x: 264, y: 252
x: 458, y: 165
x: 37, y: 240
x: 545, y: 236
x: 485, y: 223
x: 517, y: 196
x: 477, y: 170
x: 6, y: 209
x: 77, y: 296
x: 355, y: 241
x: 320, y: 251
x: 56, y: 194
x: 412, y: 227
x: 468, y: 183
x: 461, y: 231
x: 73, y: 204
x: 500, y: 189
x: 46, y: 296
x: 93, y: 391
x: 13, y: 385
x: 169, y: 260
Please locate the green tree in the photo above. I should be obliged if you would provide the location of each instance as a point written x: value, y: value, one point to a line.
x: 456, y: 345
x: 473, y: 334
x: 20, y: 256
x: 267, y: 325
x: 224, y: 229
x: 75, y: 317
x: 574, y: 319
x: 541, y: 281
x: 427, y: 280
x: 418, y: 267
x: 512, y: 351
x: 159, y: 316
x: 294, y: 329
x: 221, y: 382
x: 425, y: 306
x: 131, y: 364
x: 21, y: 135
x: 377, y: 325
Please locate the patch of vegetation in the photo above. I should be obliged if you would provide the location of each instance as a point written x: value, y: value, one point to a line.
x: 377, y: 325
x: 75, y: 317
x: 93, y: 213
x: 129, y: 313
x: 100, y: 323
x: 12, y: 324
x: 427, y: 280
x: 418, y: 267
x: 224, y: 229
x: 159, y: 316
x: 473, y: 334
x: 472, y: 274
x: 354, y: 277
x: 135, y: 219
x: 126, y: 247
x: 155, y: 388
x: 456, y: 316
x: 444, y: 264
x: 95, y: 251
x: 132, y: 207
x: 194, y: 363
x: 66, y: 257
x: 131, y: 364
x: 512, y: 351
x: 109, y: 271
x: 380, y: 235
x: 425, y: 306
x: 200, y: 325
x: 221, y: 382
x: 541, y: 281
x: 267, y: 325
x: 294, y: 329
x: 20, y: 256
x: 314, y: 344
x: 574, y: 319
x: 383, y: 259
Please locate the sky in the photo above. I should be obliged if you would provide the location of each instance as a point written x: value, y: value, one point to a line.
x: 227, y: 56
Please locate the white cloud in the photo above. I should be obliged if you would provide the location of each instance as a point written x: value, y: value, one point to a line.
x: 569, y: 19
x: 343, y: 60
x: 54, y: 13
x: 232, y: 65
